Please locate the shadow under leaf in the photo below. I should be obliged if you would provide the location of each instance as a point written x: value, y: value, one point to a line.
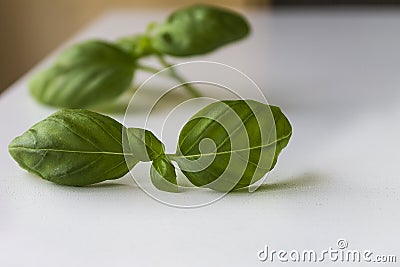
x: 144, y: 100
x: 305, y: 180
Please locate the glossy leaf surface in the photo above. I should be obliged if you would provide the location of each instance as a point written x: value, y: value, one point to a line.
x: 232, y: 144
x: 163, y: 176
x: 73, y: 147
x: 143, y: 144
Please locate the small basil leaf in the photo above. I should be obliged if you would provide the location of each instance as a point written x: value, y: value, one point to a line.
x: 86, y: 74
x: 137, y: 45
x: 143, y: 144
x: 73, y: 147
x: 232, y: 144
x: 163, y: 176
x: 198, y: 29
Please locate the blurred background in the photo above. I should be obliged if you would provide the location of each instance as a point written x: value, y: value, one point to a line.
x: 30, y: 29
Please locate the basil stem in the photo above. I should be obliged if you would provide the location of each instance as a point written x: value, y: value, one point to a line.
x: 180, y: 79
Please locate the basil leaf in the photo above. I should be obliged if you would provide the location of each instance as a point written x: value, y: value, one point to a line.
x: 86, y: 74
x: 73, y: 147
x: 231, y: 144
x: 137, y: 45
x: 143, y: 144
x: 163, y: 176
x: 198, y: 29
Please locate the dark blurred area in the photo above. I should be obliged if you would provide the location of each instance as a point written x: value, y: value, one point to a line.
x: 30, y: 29
x: 332, y: 2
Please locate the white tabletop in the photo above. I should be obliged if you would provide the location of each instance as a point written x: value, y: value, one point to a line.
x: 335, y: 74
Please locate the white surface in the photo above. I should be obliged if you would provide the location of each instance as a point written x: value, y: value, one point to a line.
x: 336, y: 76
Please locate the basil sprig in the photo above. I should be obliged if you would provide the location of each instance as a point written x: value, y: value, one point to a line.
x: 96, y: 72
x: 225, y: 146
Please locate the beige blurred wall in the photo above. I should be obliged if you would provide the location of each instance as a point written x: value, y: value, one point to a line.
x: 30, y: 29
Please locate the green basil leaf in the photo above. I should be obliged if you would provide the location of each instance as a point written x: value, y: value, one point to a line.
x: 73, y: 147
x: 163, y: 176
x: 143, y: 144
x: 86, y: 74
x: 232, y: 144
x: 198, y: 29
x: 138, y: 45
